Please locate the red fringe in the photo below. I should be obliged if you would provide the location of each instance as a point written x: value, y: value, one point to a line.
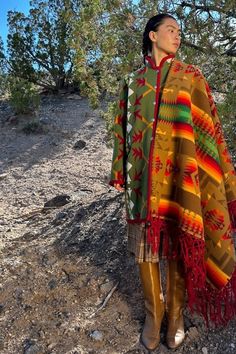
x: 153, y: 232
x: 232, y: 213
x: 155, y: 225
x: 217, y: 306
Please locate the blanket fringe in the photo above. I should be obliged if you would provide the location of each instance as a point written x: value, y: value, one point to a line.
x: 232, y: 213
x: 154, y: 226
x: 217, y: 306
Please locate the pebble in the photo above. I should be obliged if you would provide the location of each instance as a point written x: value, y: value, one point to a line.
x: 57, y: 201
x: 61, y: 215
x: 232, y: 345
x: 28, y: 235
x: 204, y: 350
x: 44, y: 121
x: 80, y: 144
x: 193, y: 334
x: 3, y: 175
x: 31, y: 347
x: 74, y: 97
x: 96, y: 335
x: 51, y: 346
x: 52, y: 284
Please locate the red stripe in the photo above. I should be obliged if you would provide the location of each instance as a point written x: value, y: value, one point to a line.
x: 183, y: 126
x: 184, y: 101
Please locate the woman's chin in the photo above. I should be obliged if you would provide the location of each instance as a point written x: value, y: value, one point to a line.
x: 173, y: 50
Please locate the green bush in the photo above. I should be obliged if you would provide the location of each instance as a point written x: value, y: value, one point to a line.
x: 24, y: 97
x: 227, y: 114
x: 34, y: 127
x: 109, y: 117
x: 3, y: 84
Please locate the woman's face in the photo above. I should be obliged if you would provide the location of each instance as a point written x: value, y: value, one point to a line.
x: 167, y: 37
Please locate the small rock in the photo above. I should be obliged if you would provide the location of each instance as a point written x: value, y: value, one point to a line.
x: 1, y: 308
x: 61, y: 215
x: 74, y: 97
x: 204, y: 350
x: 13, y: 120
x: 80, y: 144
x: 48, y: 261
x: 19, y: 294
x: 193, y: 334
x: 29, y: 235
x: 232, y: 345
x: 51, y: 346
x: 30, y: 347
x: 96, y: 335
x: 52, y: 284
x: 44, y: 121
x: 26, y: 307
x: 57, y: 201
x: 3, y: 175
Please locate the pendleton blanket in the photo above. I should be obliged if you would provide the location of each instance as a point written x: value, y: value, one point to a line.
x: 170, y: 155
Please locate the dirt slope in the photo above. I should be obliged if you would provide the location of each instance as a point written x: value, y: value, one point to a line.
x: 59, y: 265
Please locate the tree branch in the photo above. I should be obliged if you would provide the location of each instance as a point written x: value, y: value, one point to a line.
x: 208, y: 8
x: 191, y: 45
x: 40, y: 62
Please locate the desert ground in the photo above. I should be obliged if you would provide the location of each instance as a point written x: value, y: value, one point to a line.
x: 67, y: 282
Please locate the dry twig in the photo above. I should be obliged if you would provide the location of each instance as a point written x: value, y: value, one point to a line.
x: 105, y: 301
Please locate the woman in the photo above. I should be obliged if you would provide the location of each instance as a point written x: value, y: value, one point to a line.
x: 171, y: 159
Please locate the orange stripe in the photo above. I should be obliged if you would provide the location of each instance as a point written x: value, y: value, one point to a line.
x: 207, y: 163
x: 183, y: 130
x: 217, y: 276
x: 203, y: 120
x: 184, y: 98
x: 168, y: 207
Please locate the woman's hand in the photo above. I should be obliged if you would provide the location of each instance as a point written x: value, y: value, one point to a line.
x: 118, y: 187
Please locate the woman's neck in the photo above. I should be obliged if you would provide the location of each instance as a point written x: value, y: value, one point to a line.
x: 157, y: 56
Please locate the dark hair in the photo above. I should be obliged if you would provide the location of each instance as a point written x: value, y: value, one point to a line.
x: 152, y: 25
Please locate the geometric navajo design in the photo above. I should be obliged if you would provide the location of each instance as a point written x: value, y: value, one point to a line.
x: 171, y: 157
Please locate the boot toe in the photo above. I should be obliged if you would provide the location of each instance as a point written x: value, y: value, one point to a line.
x: 150, y: 336
x: 150, y: 343
x: 174, y: 341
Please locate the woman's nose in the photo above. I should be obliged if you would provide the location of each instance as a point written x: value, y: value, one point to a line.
x: 178, y: 36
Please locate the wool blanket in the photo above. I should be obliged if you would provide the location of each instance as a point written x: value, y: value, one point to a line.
x: 171, y: 156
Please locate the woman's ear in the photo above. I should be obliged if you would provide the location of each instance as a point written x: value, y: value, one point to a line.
x: 153, y: 36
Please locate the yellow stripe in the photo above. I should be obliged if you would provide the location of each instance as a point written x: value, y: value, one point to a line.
x: 180, y: 133
x: 223, y: 277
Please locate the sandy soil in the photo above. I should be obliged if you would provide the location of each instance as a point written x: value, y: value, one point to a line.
x: 58, y: 265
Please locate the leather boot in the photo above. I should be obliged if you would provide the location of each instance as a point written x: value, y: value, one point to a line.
x: 175, y: 304
x: 154, y: 304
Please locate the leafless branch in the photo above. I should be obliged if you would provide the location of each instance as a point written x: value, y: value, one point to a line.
x: 208, y: 8
x: 105, y: 301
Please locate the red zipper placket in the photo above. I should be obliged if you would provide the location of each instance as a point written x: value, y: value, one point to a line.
x: 148, y: 219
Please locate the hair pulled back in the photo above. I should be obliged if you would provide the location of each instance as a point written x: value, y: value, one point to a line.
x: 152, y: 25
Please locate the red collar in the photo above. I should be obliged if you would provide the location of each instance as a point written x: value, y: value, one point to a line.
x: 150, y: 62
